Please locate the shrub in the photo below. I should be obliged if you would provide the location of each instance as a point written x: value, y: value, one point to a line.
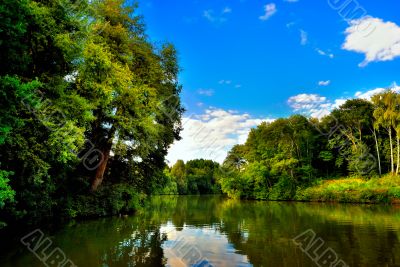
x: 110, y: 200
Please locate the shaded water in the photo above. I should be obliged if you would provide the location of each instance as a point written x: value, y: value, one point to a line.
x: 213, y: 231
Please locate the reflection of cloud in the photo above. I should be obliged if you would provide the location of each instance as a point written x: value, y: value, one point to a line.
x: 193, y: 245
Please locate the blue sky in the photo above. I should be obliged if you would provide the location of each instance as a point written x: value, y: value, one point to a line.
x: 246, y: 61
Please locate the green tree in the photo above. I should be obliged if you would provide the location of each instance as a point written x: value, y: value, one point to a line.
x: 179, y: 172
x: 355, y: 118
x: 385, y: 115
x: 126, y: 79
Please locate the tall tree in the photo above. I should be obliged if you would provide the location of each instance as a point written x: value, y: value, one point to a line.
x: 355, y: 118
x: 127, y: 80
x: 386, y: 115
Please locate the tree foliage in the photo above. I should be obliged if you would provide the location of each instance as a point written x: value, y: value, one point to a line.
x: 89, y: 107
x: 283, y: 157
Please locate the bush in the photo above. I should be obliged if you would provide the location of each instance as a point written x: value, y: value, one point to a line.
x: 109, y: 200
x: 284, y: 189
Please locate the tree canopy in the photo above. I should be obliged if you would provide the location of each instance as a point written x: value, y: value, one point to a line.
x: 89, y: 107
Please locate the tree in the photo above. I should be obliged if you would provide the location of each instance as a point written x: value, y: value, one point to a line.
x: 77, y: 76
x: 355, y: 118
x: 179, y: 172
x: 385, y: 115
x: 236, y: 157
x: 127, y: 80
x: 43, y: 117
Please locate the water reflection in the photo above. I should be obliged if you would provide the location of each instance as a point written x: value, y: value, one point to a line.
x: 213, y: 231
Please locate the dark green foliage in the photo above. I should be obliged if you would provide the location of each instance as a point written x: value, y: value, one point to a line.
x: 78, y: 77
x: 108, y: 200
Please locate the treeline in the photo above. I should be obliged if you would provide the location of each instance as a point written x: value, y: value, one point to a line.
x: 196, y: 177
x: 89, y: 107
x: 281, y: 159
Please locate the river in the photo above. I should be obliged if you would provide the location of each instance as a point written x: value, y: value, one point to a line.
x: 215, y: 231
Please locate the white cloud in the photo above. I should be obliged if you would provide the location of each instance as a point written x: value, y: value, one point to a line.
x: 238, y: 85
x: 376, y: 39
x: 206, y: 92
x: 210, y: 15
x: 323, y: 53
x: 324, y: 83
x: 305, y: 101
x: 303, y: 37
x: 226, y: 10
x: 368, y: 94
x: 212, y: 134
x: 314, y: 105
x: 290, y: 24
x: 225, y: 82
x: 319, y: 106
x: 270, y: 10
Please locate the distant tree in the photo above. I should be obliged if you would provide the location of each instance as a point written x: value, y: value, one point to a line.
x: 179, y: 172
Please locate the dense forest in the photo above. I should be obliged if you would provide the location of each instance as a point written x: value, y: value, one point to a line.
x: 197, y: 176
x: 301, y: 158
x: 89, y: 107
x: 341, y: 157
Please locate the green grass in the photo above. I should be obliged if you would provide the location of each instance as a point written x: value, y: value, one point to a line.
x: 353, y: 190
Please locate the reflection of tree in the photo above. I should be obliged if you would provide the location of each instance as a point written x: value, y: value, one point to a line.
x: 361, y: 235
x: 263, y: 231
x: 114, y: 242
x: 142, y: 249
x: 181, y: 210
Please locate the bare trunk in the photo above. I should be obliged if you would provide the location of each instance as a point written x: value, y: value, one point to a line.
x: 391, y: 150
x: 377, y: 153
x: 99, y: 176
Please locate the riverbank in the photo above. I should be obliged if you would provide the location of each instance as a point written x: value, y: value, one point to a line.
x: 353, y: 190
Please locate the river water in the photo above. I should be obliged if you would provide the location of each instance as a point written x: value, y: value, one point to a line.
x: 215, y: 231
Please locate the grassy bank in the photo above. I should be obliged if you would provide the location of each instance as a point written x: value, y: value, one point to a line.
x: 353, y: 190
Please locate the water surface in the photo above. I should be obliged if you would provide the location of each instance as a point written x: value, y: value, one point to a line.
x: 214, y: 231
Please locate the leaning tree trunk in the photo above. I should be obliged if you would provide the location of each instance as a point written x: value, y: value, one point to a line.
x: 99, y: 175
x: 377, y: 153
x: 105, y: 147
x: 391, y: 150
